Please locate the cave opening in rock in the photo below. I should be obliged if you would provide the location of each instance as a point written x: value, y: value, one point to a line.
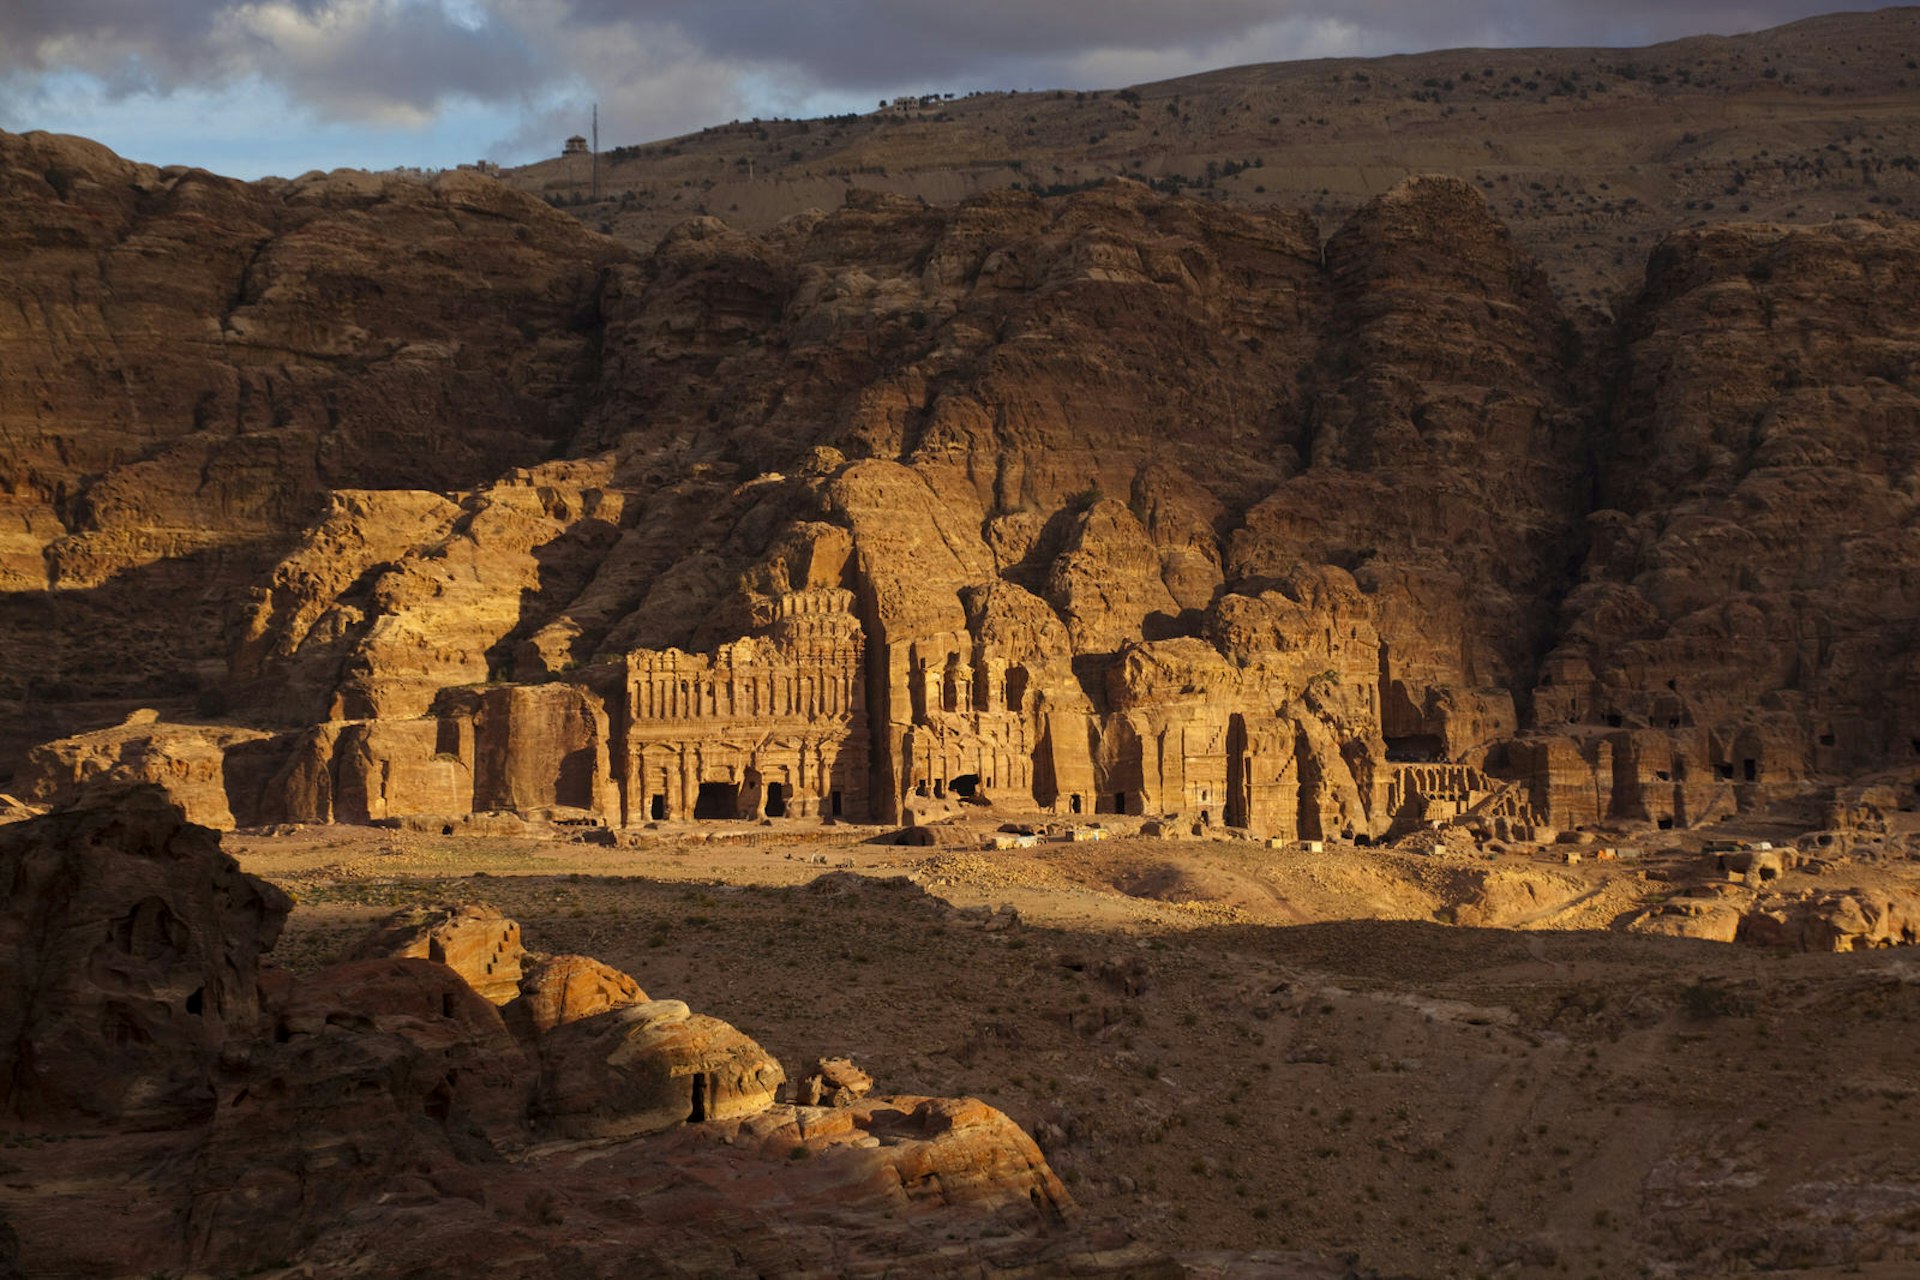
x: 700, y: 1104
x: 1665, y: 824
x: 1017, y: 689
x: 776, y: 800
x: 717, y: 800
x: 966, y: 786
x: 1238, y: 783
x: 657, y: 807
x: 1750, y: 769
x: 833, y: 804
x: 1411, y: 748
x: 1073, y: 802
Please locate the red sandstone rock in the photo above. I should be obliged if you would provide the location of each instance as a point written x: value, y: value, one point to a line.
x: 473, y: 939
x: 833, y: 1082
x: 376, y: 1116
x: 131, y: 945
x: 644, y: 1068
x: 555, y: 990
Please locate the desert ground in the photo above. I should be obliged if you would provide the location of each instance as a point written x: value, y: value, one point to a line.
x: 1227, y: 1047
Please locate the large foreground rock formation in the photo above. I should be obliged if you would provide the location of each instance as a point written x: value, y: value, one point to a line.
x: 409, y: 1109
x: 1104, y: 502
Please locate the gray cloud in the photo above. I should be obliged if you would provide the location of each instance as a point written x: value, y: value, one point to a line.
x: 663, y: 66
x: 344, y: 59
x: 870, y: 43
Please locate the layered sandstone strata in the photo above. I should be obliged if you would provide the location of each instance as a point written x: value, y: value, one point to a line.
x: 1109, y: 502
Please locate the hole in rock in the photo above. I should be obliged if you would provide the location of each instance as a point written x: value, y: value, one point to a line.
x: 717, y: 800
x: 776, y: 800
x: 1414, y: 748
x: 657, y: 808
x: 966, y: 786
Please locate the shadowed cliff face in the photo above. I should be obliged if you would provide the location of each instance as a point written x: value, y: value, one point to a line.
x: 1113, y: 500
x: 193, y: 363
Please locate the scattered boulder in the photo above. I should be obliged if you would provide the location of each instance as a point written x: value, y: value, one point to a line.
x: 649, y: 1067
x: 379, y: 1116
x: 1707, y: 920
x: 833, y: 1082
x: 1837, y: 920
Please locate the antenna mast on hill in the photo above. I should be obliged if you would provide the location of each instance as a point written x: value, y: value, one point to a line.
x: 596, y: 153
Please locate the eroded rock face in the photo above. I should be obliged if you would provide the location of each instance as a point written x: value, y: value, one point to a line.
x: 555, y: 990
x: 1836, y: 920
x: 201, y: 768
x: 643, y: 1068
x: 1743, y: 602
x: 1111, y: 502
x: 380, y: 1114
x: 272, y: 342
x: 380, y: 1076
x: 472, y: 939
x: 132, y: 946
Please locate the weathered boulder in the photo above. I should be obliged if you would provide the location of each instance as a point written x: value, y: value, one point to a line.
x: 833, y: 1082
x: 555, y: 990
x: 472, y: 939
x: 648, y: 1067
x: 1852, y: 919
x: 386, y: 1076
x: 957, y: 1152
x: 1709, y: 920
x: 132, y: 949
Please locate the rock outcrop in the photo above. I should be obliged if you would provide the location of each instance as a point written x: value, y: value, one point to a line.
x: 1110, y: 502
x: 388, y: 1109
x: 132, y: 948
x: 473, y: 940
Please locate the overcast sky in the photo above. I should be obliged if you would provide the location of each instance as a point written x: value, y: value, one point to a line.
x: 251, y: 87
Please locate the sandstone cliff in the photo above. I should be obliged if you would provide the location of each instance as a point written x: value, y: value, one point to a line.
x: 1111, y: 501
